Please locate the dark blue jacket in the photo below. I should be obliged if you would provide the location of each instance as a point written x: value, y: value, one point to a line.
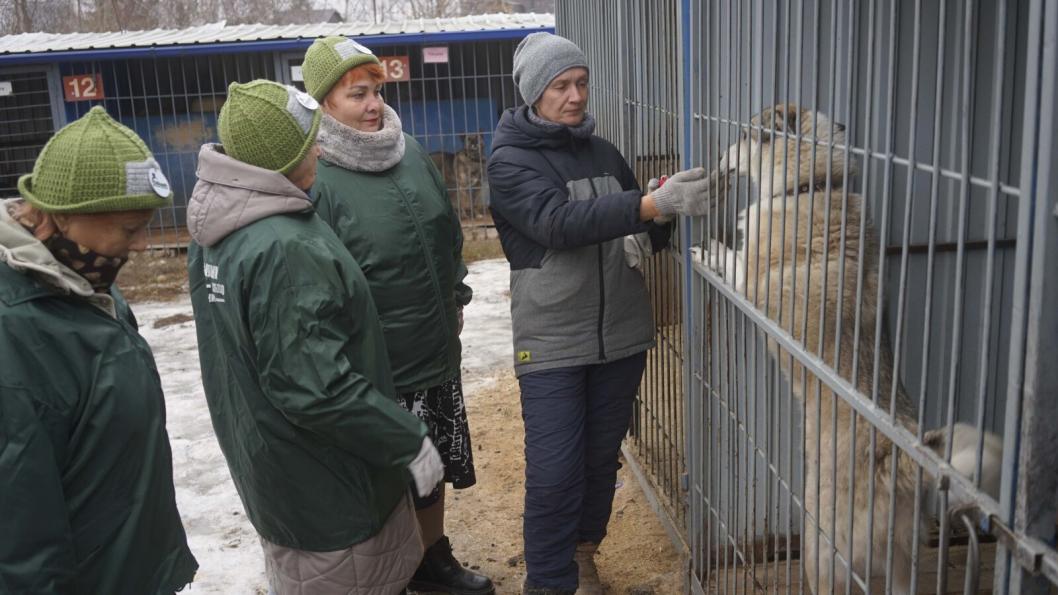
x: 562, y: 207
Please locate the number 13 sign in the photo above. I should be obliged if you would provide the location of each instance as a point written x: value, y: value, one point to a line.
x: 396, y: 68
x: 83, y: 87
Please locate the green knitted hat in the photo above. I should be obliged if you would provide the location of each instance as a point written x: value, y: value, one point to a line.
x: 327, y: 59
x: 95, y: 165
x: 268, y: 125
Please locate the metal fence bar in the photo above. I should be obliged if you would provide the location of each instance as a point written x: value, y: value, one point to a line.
x: 691, y: 82
x: 901, y: 303
x: 942, y: 567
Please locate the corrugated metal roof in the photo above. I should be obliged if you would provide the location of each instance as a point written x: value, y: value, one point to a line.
x: 37, y: 43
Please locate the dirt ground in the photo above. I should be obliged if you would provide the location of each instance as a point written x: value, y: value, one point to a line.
x: 636, y: 558
x: 481, y: 249
x: 153, y: 276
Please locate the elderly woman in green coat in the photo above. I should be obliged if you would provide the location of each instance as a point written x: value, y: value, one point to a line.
x: 87, y: 503
x: 380, y: 192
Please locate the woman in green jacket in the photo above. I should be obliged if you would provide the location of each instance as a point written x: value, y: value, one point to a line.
x: 87, y: 503
x: 294, y: 361
x: 380, y: 192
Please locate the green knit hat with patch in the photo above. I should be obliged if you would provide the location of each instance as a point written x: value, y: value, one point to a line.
x: 327, y: 59
x: 268, y: 125
x: 95, y: 165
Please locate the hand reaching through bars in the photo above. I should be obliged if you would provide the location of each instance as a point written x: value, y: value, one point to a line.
x: 684, y: 193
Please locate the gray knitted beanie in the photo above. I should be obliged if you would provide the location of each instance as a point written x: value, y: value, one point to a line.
x: 539, y: 58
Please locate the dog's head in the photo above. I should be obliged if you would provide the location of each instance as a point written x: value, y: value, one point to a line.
x: 474, y: 145
x: 770, y: 153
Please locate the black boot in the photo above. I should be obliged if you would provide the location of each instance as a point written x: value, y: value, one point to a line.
x: 440, y: 572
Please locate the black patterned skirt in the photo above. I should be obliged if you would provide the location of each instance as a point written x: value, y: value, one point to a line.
x: 442, y: 409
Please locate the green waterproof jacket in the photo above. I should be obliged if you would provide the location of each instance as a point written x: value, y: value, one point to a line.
x: 86, y: 478
x: 400, y: 227
x: 294, y: 362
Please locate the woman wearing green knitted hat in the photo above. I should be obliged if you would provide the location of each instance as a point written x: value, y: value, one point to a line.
x: 88, y: 498
x: 294, y: 362
x: 380, y: 192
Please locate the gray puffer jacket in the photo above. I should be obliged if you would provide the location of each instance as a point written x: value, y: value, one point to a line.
x: 562, y: 207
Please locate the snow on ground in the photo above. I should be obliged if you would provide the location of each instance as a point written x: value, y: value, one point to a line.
x: 487, y: 342
x: 221, y: 537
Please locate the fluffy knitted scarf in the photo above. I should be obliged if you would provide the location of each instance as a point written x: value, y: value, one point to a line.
x: 362, y: 151
x: 581, y: 131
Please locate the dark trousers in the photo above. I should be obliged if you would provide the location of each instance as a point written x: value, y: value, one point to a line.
x: 575, y: 419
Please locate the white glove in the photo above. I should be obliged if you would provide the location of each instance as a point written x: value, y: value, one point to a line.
x: 427, y: 469
x: 652, y: 185
x: 638, y: 250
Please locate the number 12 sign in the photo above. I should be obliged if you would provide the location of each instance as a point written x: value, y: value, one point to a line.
x: 396, y: 68
x: 83, y: 87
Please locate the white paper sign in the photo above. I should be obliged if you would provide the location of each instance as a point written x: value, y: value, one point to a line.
x: 295, y: 74
x: 435, y: 55
x: 6, y: 88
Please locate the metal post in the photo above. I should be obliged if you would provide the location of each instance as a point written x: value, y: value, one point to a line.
x: 692, y: 398
x: 1031, y: 481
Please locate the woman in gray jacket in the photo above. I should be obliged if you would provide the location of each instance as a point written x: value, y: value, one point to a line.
x: 563, y: 201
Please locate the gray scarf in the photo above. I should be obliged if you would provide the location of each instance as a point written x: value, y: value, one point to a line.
x: 582, y: 131
x: 362, y: 151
